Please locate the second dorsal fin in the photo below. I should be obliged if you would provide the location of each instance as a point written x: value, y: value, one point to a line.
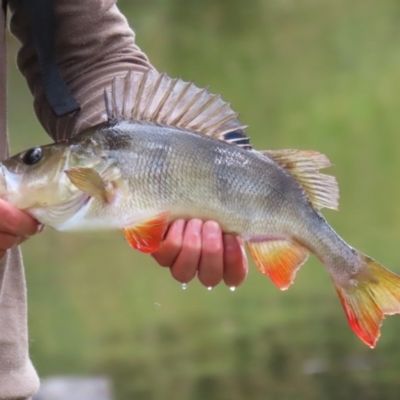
x: 303, y: 165
x: 157, y: 98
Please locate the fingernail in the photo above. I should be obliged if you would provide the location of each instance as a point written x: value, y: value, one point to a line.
x: 40, y: 228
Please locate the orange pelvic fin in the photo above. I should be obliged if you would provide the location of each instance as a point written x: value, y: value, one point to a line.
x: 279, y: 259
x: 373, y: 292
x: 147, y: 236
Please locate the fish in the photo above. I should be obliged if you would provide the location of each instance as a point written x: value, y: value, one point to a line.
x: 170, y: 150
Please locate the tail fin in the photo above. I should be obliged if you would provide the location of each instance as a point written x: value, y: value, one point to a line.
x: 372, y: 293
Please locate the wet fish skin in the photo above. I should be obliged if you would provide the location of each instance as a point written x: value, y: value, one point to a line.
x: 179, y: 152
x: 186, y: 173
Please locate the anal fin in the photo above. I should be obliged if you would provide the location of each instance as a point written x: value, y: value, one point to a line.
x: 147, y: 236
x: 279, y: 259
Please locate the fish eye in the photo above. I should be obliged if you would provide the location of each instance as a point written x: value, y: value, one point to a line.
x: 32, y: 156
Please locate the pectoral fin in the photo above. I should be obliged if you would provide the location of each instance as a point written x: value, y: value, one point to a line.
x: 147, y: 236
x: 89, y: 181
x: 279, y: 259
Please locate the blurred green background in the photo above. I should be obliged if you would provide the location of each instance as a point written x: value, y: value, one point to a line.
x: 322, y: 75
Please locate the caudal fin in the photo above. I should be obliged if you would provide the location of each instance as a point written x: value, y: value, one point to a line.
x: 373, y: 293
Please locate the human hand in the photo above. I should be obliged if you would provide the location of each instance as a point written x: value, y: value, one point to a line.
x: 15, y: 227
x: 198, y: 247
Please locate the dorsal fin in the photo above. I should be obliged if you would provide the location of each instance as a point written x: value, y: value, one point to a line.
x: 157, y: 98
x: 303, y: 165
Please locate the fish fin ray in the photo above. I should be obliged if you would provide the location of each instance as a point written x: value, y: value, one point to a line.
x: 303, y: 165
x: 372, y: 293
x: 96, y: 185
x: 278, y: 259
x: 88, y: 181
x: 159, y: 99
x: 148, y: 235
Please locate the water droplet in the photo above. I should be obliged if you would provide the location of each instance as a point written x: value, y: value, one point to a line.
x: 184, y: 286
x: 209, y: 288
x: 232, y: 288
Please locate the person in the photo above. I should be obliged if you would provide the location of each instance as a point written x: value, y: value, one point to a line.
x: 81, y: 46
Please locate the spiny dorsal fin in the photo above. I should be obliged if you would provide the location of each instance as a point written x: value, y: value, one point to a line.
x: 303, y: 165
x: 157, y: 98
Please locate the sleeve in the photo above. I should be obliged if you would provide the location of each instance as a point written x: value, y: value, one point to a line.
x: 18, y: 379
x: 93, y: 43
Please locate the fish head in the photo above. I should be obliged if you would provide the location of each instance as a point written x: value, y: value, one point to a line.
x: 37, y: 179
x: 34, y: 177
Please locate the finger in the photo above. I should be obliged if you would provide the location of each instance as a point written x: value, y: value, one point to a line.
x: 7, y: 241
x: 171, y: 246
x: 15, y: 221
x: 211, y: 268
x: 235, y: 260
x: 185, y: 266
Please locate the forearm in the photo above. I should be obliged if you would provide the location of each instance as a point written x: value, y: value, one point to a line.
x: 93, y: 43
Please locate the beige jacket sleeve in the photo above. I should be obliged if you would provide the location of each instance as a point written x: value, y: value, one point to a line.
x: 93, y: 44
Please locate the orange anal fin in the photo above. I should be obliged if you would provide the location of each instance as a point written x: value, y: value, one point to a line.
x: 279, y: 259
x: 147, y: 236
x: 372, y: 293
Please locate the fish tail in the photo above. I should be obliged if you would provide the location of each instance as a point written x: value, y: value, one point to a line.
x: 369, y: 295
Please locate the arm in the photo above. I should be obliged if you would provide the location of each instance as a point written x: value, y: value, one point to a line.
x: 93, y: 44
